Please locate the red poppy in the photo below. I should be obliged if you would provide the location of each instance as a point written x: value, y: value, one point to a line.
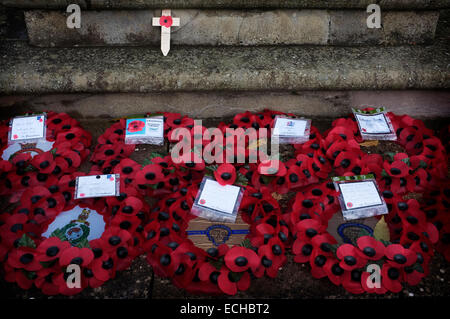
x: 130, y: 206
x: 46, y: 280
x: 166, y: 21
x: 75, y: 255
x: 349, y: 257
x: 308, y: 228
x: 370, y: 248
x: 103, y: 267
x: 33, y: 195
x: 400, y: 257
x: 135, y: 126
x: 225, y: 174
x: 51, y: 249
x: 24, y: 258
x: 239, y: 259
x: 324, y: 243
x: 230, y: 282
x: 412, y: 276
x: 371, y: 287
x: 272, y: 258
x: 318, y: 261
x: 391, y: 278
x: 334, y: 271
x: 115, y: 237
x: 19, y: 276
x: 351, y: 281
x: 44, y: 162
x: 243, y: 119
x: 396, y: 169
x: 150, y: 174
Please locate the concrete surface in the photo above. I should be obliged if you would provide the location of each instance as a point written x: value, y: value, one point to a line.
x: 231, y: 27
x: 158, y: 4
x: 420, y: 104
x: 24, y: 69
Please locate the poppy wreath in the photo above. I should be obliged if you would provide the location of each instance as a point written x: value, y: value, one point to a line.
x: 69, y: 148
x: 415, y: 229
x: 111, y: 154
x: 223, y: 269
x: 29, y: 258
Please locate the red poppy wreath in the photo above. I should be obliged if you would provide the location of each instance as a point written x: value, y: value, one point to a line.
x: 223, y: 269
x: 413, y: 227
x: 38, y: 252
x: 111, y: 154
x: 24, y: 165
x: 49, y: 231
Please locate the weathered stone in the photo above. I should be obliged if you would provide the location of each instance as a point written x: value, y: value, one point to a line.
x: 48, y: 28
x: 350, y: 27
x: 204, y: 105
x: 232, y: 27
x: 221, y: 4
x: 25, y: 69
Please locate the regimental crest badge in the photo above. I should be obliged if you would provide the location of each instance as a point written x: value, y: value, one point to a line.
x: 218, y: 234
x: 32, y: 148
x: 77, y: 231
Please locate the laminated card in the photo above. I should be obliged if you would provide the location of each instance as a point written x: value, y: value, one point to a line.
x: 291, y: 131
x: 149, y: 130
x: 27, y: 128
x: 97, y: 186
x: 216, y: 202
x: 359, y: 197
x: 374, y: 124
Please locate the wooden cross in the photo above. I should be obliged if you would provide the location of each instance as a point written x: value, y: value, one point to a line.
x: 166, y: 22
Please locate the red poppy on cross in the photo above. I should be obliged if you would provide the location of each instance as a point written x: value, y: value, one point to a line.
x: 166, y: 21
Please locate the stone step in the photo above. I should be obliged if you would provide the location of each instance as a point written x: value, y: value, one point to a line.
x: 232, y: 27
x: 25, y: 69
x: 204, y: 105
x: 235, y: 4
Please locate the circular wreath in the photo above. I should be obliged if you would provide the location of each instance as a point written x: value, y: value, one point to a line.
x: 413, y: 228
x: 223, y: 269
x: 66, y: 147
x: 31, y: 258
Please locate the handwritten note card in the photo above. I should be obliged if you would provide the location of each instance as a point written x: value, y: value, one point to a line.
x: 360, y: 194
x: 373, y: 124
x: 218, y: 197
x: 97, y: 186
x: 28, y: 127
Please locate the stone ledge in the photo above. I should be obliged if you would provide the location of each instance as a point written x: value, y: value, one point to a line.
x: 232, y: 27
x: 223, y: 4
x: 25, y: 69
x: 205, y: 105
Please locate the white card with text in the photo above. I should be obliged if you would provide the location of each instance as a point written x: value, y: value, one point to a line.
x: 28, y: 127
x: 373, y: 124
x: 218, y: 197
x: 97, y: 186
x: 360, y: 194
x: 290, y: 127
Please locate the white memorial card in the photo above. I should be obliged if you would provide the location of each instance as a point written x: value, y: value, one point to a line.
x: 97, y: 186
x: 148, y: 130
x: 373, y: 124
x: 290, y: 127
x: 217, y: 197
x: 360, y: 194
x: 28, y: 128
